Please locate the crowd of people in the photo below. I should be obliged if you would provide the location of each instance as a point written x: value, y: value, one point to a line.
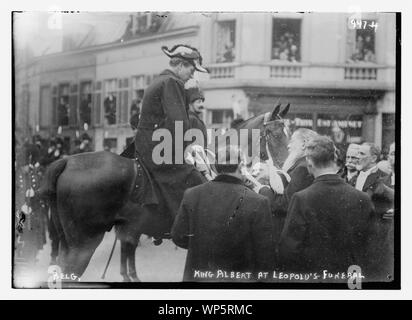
x: 364, y: 49
x: 286, y: 48
x: 313, y: 214
x: 32, y: 217
x: 324, y: 217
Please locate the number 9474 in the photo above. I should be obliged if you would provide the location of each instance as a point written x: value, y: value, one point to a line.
x: 363, y: 24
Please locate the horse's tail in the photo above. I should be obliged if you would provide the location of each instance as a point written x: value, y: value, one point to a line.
x: 48, y: 188
x: 48, y: 193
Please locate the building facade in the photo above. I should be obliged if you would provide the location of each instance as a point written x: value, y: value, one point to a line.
x: 336, y: 70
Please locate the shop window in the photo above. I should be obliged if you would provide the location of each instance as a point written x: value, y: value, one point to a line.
x: 342, y: 129
x: 299, y: 120
x: 362, y: 42
x: 226, y: 41
x: 222, y: 116
x: 110, y: 101
x: 85, y: 103
x: 63, y: 107
x: 286, y: 39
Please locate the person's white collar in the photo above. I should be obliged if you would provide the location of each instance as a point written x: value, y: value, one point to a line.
x: 369, y: 171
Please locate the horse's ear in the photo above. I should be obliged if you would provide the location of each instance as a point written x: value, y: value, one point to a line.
x: 284, y: 111
x: 275, y: 113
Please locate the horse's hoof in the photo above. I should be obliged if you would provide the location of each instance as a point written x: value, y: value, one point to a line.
x: 134, y: 279
x: 126, y: 279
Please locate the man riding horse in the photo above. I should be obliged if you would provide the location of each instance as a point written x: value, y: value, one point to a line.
x: 164, y: 104
x: 91, y: 192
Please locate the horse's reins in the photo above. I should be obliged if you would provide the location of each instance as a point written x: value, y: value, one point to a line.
x: 263, y: 135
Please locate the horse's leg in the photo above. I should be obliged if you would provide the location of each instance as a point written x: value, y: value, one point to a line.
x: 63, y: 250
x: 131, y: 258
x: 123, y: 261
x: 54, y: 236
x: 80, y: 254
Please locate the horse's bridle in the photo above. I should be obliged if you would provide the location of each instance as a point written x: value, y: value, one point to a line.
x: 264, y: 136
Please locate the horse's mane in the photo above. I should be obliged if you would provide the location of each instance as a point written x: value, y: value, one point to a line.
x: 244, y: 123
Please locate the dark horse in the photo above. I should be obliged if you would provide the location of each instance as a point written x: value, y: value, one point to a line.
x: 90, y: 193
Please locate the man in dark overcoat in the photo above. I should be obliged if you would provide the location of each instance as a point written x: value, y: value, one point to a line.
x: 300, y: 178
x: 371, y: 180
x: 225, y: 226
x: 328, y: 224
x: 164, y: 106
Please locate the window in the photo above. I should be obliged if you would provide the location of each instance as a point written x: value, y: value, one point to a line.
x: 97, y: 114
x: 361, y: 43
x: 55, y: 100
x: 110, y: 144
x: 286, y: 39
x: 226, y: 41
x: 388, y: 130
x: 63, y: 107
x: 223, y: 116
x: 142, y: 22
x: 110, y: 101
x: 74, y: 97
x: 124, y: 100
x: 85, y: 103
x: 45, y: 106
x: 139, y: 84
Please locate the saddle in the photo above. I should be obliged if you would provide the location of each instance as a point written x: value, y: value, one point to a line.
x: 143, y: 191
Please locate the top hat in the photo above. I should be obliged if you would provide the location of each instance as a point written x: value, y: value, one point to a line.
x: 187, y: 53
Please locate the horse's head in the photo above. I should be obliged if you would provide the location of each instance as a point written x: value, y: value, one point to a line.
x: 274, y: 135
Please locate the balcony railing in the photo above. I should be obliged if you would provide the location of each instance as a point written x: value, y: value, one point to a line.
x: 306, y: 73
x: 222, y: 70
x: 361, y: 73
x: 286, y: 70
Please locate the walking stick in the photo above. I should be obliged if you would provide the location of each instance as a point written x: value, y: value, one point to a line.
x: 110, y: 257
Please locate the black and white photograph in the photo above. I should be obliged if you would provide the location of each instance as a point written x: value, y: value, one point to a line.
x: 216, y: 149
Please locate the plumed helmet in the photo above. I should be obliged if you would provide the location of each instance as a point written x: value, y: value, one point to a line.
x: 187, y: 53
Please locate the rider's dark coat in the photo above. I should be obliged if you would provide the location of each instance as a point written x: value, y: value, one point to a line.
x: 164, y: 103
